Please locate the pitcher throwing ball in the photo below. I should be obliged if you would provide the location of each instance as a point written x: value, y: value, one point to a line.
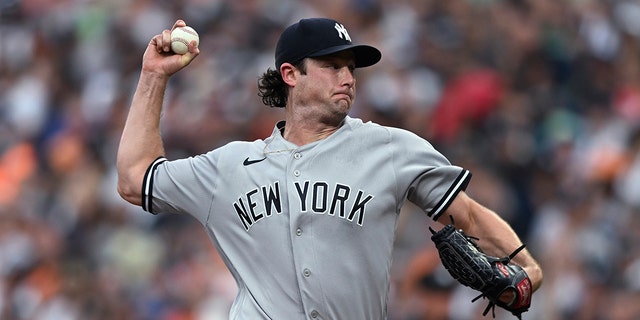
x: 304, y: 219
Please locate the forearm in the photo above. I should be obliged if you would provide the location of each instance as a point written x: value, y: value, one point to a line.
x: 497, y: 238
x: 141, y: 141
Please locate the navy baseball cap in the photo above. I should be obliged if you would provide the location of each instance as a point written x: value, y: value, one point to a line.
x: 317, y: 37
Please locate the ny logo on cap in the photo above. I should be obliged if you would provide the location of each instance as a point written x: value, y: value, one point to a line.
x: 342, y: 32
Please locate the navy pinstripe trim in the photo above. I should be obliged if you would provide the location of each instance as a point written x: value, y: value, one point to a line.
x: 147, y: 184
x: 458, y: 185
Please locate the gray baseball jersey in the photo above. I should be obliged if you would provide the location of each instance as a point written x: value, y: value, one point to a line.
x: 307, y: 231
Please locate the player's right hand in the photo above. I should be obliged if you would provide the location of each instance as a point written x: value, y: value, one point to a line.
x: 158, y: 57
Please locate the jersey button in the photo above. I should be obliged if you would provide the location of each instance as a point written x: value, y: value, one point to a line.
x: 297, y: 155
x: 314, y: 314
x: 299, y: 232
x: 296, y: 173
x: 306, y: 273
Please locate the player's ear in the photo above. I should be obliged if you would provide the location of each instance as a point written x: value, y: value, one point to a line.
x: 288, y: 73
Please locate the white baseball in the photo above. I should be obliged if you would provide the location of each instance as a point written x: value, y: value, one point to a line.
x: 181, y: 37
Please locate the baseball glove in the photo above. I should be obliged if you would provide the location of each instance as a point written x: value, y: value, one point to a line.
x: 504, y: 284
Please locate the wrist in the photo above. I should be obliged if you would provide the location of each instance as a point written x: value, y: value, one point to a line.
x: 153, y: 76
x: 535, y: 275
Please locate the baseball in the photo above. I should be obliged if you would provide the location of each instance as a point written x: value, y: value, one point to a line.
x: 181, y: 37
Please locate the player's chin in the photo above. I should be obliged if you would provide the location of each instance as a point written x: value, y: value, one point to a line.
x: 343, y: 107
x: 339, y: 110
x: 344, y: 102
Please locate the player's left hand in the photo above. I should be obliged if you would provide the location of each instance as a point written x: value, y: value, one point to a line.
x: 505, y: 284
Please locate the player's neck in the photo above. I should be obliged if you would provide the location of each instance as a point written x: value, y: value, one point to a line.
x: 304, y: 131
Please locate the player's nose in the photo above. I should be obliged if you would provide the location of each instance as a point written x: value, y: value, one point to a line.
x: 347, y: 77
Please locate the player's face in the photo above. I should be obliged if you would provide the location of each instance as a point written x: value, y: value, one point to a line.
x: 329, y: 83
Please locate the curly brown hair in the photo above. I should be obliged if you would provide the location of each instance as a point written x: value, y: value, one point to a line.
x: 273, y: 90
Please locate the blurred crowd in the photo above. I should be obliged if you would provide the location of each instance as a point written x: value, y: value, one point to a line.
x: 540, y: 99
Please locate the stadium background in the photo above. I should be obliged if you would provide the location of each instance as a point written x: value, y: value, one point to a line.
x: 540, y: 99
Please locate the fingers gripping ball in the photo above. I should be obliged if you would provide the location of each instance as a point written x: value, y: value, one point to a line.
x: 181, y: 37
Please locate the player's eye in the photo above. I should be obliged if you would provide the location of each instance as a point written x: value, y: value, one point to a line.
x: 339, y: 66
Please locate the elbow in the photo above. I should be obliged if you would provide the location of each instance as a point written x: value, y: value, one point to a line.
x: 130, y: 179
x: 129, y: 195
x: 129, y: 190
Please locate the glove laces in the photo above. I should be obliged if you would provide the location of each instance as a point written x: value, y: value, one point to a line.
x: 492, y: 306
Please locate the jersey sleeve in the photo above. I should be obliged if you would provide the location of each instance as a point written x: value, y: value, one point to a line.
x: 147, y: 184
x: 180, y: 186
x: 429, y: 180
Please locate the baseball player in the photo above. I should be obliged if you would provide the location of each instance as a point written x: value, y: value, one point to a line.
x: 305, y: 219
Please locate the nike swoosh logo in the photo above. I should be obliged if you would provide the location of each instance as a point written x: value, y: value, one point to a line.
x: 248, y: 162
